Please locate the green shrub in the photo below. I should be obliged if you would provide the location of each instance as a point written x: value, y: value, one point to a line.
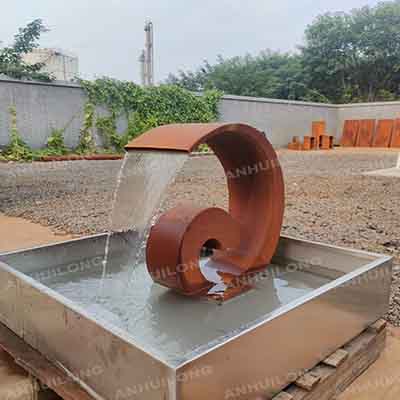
x: 55, y: 143
x: 146, y: 108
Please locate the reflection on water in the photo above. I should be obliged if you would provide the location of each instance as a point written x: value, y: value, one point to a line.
x: 173, y: 327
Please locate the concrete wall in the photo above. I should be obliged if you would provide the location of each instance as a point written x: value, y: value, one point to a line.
x: 43, y: 106
x: 279, y: 119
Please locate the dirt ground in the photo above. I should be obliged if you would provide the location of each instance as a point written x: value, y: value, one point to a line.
x: 18, y: 233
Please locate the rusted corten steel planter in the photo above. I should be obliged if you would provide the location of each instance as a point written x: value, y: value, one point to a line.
x: 256, y: 193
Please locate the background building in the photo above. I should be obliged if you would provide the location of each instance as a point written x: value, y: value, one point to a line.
x: 62, y: 65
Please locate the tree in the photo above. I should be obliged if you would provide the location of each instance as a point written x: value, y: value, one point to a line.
x: 269, y: 74
x: 346, y: 57
x: 11, y: 58
x: 355, y: 56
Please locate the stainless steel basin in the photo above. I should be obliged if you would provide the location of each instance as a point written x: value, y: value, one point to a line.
x: 124, y: 337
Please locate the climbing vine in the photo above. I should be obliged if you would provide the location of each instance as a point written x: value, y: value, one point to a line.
x: 55, y: 145
x: 145, y: 108
x: 86, y: 141
x: 17, y: 149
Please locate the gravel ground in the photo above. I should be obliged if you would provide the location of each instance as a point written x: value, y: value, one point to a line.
x: 327, y: 198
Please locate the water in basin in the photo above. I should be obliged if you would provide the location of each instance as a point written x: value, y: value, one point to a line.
x: 172, y: 327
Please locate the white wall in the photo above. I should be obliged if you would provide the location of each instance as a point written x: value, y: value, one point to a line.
x: 279, y: 119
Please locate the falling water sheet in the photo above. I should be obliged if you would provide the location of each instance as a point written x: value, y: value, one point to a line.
x: 142, y: 181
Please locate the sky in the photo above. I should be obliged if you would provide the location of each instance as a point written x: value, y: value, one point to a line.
x: 107, y: 35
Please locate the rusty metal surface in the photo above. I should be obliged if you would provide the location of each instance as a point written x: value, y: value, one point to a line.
x: 318, y: 128
x: 318, y: 132
x: 326, y: 142
x: 178, y: 137
x: 383, y: 134
x: 176, y: 240
x: 366, y: 133
x: 256, y: 193
x: 395, y: 142
x: 350, y: 133
x: 309, y: 143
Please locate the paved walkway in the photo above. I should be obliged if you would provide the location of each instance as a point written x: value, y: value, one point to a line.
x: 391, y: 172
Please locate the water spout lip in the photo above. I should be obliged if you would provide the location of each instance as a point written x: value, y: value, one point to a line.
x: 187, y: 137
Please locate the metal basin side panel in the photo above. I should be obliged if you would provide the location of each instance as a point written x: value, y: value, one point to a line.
x: 326, y: 256
x: 73, y: 251
x: 110, y: 366
x: 42, y: 257
x: 9, y: 305
x: 266, y: 359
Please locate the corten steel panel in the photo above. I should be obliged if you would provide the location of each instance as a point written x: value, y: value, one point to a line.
x: 326, y: 142
x: 309, y: 142
x: 395, y: 142
x: 350, y: 133
x: 318, y: 128
x: 366, y: 133
x: 383, y: 134
x: 262, y: 359
x: 294, y: 146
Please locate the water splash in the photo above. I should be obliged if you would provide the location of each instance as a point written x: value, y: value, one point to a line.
x: 142, y: 181
x: 108, y: 239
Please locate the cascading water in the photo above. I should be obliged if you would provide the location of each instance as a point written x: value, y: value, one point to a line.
x: 142, y: 181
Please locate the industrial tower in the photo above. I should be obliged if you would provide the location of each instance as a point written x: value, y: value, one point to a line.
x: 146, y: 58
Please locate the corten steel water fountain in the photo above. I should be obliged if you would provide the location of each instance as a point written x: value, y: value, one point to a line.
x: 92, y: 308
x: 242, y: 244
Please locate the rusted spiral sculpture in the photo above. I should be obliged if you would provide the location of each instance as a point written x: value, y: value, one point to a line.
x: 244, y: 239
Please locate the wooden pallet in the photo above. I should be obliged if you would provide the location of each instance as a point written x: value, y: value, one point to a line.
x: 30, y: 363
x: 17, y: 384
x: 324, y: 382
x: 332, y: 376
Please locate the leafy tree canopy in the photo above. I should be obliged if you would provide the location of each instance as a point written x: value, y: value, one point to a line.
x: 346, y: 57
x: 11, y: 58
